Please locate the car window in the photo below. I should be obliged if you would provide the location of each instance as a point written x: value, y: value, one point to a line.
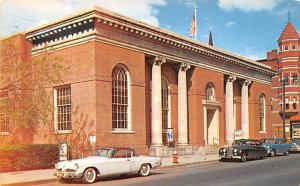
x: 129, y: 153
x: 252, y: 143
x: 121, y: 153
x: 103, y: 152
x: 236, y: 143
x: 257, y: 143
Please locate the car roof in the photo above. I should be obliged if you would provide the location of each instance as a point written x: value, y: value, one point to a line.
x: 247, y: 140
x: 272, y: 138
x: 116, y: 148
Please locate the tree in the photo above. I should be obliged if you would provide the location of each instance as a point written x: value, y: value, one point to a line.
x: 78, y: 140
x: 23, y: 85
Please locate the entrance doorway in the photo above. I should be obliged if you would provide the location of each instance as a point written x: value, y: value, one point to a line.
x: 211, y: 116
x: 211, y: 124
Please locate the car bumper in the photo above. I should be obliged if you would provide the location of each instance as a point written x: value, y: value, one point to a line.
x: 68, y: 175
x: 295, y: 150
x: 230, y: 157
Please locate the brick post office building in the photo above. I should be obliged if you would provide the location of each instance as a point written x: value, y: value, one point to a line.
x: 137, y: 81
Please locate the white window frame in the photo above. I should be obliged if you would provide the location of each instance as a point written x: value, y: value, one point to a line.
x: 56, y: 130
x: 129, y: 107
x: 169, y: 101
x: 4, y: 133
x: 264, y: 114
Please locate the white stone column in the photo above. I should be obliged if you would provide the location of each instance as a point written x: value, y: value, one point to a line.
x: 182, y: 105
x: 245, y: 109
x: 156, y: 107
x: 230, y: 124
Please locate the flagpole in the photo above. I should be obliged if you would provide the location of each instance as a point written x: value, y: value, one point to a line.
x: 195, y: 21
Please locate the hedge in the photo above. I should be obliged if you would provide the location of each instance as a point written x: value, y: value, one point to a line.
x: 28, y: 157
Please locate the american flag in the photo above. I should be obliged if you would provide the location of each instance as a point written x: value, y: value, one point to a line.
x: 193, y: 27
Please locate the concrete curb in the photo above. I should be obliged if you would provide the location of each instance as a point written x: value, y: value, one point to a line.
x: 29, y: 183
x: 187, y: 164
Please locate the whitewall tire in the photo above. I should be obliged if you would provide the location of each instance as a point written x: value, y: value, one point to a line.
x: 144, y: 170
x: 89, y: 175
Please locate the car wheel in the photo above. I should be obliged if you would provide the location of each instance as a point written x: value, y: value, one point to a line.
x: 244, y: 157
x: 89, y: 175
x: 222, y: 159
x: 144, y: 170
x: 286, y: 153
x: 272, y: 153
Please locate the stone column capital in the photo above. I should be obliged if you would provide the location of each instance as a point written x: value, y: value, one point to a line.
x: 158, y: 60
x: 183, y: 67
x: 231, y: 78
x: 247, y: 82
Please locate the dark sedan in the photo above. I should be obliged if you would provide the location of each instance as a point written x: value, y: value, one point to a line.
x: 243, y: 150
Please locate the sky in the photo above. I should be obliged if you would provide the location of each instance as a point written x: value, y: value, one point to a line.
x: 245, y: 27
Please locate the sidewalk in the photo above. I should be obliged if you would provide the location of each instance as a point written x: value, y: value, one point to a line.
x: 11, y: 178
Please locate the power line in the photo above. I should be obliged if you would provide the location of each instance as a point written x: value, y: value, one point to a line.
x: 26, y: 19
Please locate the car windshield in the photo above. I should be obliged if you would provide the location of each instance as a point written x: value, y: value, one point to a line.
x: 270, y: 141
x: 241, y: 143
x: 104, y: 153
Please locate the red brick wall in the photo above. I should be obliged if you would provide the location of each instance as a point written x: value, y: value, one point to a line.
x: 199, y: 78
x: 255, y: 91
x: 107, y: 57
x: 20, y: 49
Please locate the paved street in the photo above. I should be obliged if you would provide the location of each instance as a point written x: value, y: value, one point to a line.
x: 280, y: 170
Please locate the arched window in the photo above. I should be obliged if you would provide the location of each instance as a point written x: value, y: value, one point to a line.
x: 209, y: 92
x: 262, y: 113
x: 165, y: 103
x: 120, y: 98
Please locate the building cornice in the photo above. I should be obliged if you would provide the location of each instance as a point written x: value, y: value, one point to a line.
x: 83, y: 24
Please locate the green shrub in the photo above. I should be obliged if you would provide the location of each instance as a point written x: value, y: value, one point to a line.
x: 28, y: 157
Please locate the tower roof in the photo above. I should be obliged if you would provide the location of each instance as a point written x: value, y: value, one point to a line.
x: 210, y: 42
x: 289, y: 32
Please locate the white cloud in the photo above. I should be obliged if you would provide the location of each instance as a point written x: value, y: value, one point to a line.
x: 41, y: 11
x: 230, y: 24
x: 190, y: 3
x: 253, y: 57
x: 247, y: 5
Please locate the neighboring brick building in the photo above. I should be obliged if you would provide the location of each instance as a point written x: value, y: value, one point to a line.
x: 286, y: 63
x: 136, y: 81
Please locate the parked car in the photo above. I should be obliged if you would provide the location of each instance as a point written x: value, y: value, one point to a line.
x: 243, y: 150
x: 106, y: 162
x: 276, y: 146
x: 295, y: 145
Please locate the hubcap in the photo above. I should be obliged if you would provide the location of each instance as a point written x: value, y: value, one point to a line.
x: 90, y: 175
x: 145, y: 169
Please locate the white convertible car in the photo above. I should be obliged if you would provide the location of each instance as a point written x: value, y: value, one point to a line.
x: 106, y: 162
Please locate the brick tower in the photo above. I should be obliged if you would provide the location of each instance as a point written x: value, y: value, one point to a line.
x: 286, y: 62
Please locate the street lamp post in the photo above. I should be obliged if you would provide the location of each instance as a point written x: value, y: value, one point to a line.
x: 284, y: 82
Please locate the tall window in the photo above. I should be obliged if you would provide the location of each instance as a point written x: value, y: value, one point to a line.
x: 294, y: 103
x: 4, y: 122
x: 262, y: 111
x: 165, y: 103
x: 63, y: 108
x: 120, y: 98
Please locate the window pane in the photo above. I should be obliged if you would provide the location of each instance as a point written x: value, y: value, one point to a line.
x: 262, y: 113
x: 119, y: 98
x: 64, y: 109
